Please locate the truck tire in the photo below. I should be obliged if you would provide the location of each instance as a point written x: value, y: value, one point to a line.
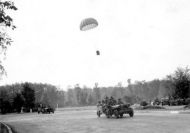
x: 131, y: 113
x: 116, y: 113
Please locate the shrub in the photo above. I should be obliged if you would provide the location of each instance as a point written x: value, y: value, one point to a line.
x: 187, y: 101
x: 153, y: 107
x: 143, y: 103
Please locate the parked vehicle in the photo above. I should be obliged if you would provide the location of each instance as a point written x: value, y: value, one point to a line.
x: 45, y: 110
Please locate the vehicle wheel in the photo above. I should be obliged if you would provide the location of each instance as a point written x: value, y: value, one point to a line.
x: 108, y: 116
x: 131, y: 114
x: 121, y: 115
x: 116, y: 113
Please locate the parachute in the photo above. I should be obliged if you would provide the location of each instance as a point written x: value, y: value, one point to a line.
x: 88, y: 23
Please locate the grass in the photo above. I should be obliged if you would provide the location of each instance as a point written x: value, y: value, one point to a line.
x: 187, y: 107
x: 153, y: 107
x: 85, y: 121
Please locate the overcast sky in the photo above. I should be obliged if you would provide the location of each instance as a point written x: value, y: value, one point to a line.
x: 137, y: 39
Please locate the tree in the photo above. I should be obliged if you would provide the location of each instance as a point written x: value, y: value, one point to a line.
x: 6, y: 22
x: 84, y: 96
x: 78, y: 93
x: 128, y: 99
x: 4, y: 101
x: 29, y: 96
x: 96, y: 91
x: 18, y: 102
x: 118, y: 91
x: 50, y: 96
x: 46, y: 100
x: 71, y: 98
x: 130, y: 87
x: 129, y: 81
x: 90, y: 99
x: 61, y: 98
x: 154, y: 89
x: 181, y: 81
x: 167, y: 88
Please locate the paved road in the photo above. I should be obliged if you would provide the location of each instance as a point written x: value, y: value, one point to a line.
x: 85, y: 121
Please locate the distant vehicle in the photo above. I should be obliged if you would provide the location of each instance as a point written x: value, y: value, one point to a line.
x: 165, y: 101
x: 117, y: 110
x: 46, y: 110
x: 156, y: 102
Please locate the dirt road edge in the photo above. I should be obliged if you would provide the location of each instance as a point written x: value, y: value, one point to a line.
x: 7, y: 127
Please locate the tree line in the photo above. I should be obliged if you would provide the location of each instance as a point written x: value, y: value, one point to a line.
x: 30, y: 95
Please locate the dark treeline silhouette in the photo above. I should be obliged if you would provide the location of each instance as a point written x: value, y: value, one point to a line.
x: 27, y: 96
x: 30, y: 95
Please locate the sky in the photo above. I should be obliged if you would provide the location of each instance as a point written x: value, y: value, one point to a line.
x: 137, y: 39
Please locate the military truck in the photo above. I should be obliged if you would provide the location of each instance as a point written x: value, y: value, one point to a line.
x: 45, y: 110
x: 116, y: 110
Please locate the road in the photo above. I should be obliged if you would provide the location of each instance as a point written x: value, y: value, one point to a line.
x: 86, y: 121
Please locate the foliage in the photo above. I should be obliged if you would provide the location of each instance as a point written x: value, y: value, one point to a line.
x: 97, y: 93
x: 5, y: 104
x: 18, y: 102
x: 61, y: 98
x: 139, y: 92
x: 29, y: 96
x: 130, y: 99
x: 181, y: 82
x: 6, y: 21
x: 187, y: 101
x: 78, y: 93
x: 143, y: 103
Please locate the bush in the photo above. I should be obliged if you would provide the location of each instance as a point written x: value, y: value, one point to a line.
x: 137, y: 107
x: 143, y: 103
x: 187, y: 106
x: 187, y: 101
x: 153, y: 107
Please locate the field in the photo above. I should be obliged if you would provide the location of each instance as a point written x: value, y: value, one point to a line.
x: 84, y: 120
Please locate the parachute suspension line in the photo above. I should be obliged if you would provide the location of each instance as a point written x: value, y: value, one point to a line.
x: 88, y: 24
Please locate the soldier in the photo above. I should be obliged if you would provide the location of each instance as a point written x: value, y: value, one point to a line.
x: 112, y: 101
x: 99, y: 104
x: 103, y: 102
x: 120, y: 101
x: 106, y: 100
x: 99, y: 107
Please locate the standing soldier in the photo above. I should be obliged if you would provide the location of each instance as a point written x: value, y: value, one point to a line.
x: 99, y: 108
x: 106, y: 100
x: 120, y: 101
x: 112, y: 101
x: 103, y: 102
x: 99, y: 103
